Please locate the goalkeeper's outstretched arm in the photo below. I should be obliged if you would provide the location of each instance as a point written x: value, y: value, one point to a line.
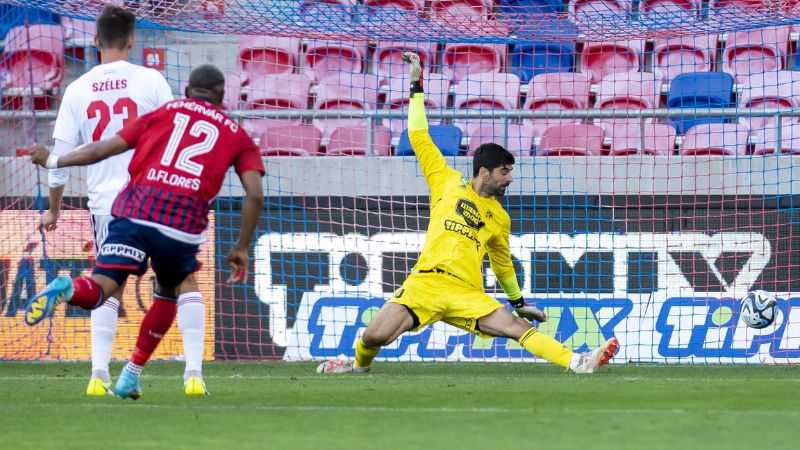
x: 433, y: 164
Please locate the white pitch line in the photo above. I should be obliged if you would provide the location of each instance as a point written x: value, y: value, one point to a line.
x: 412, y: 409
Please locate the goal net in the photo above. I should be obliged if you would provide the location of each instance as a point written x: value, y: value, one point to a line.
x: 654, y: 183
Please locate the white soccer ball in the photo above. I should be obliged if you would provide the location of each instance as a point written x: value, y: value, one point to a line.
x: 758, y: 309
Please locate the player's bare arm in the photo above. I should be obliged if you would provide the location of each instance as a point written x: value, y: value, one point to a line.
x: 82, y: 156
x: 253, y: 202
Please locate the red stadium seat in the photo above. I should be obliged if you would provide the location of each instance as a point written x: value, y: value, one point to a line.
x: 600, y: 59
x: 283, y: 91
x: 437, y: 90
x: 353, y: 141
x: 461, y: 60
x: 578, y: 8
x: 324, y: 58
x: 33, y: 58
x: 671, y: 7
x: 674, y: 56
x: 716, y: 139
x: 575, y: 139
x: 408, y: 5
x: 555, y: 91
x: 766, y: 141
x: 263, y: 55
x: 755, y: 51
x: 291, y: 140
x: 654, y: 139
x: 627, y: 90
x: 388, y: 57
x: 78, y: 32
x: 345, y: 91
x: 480, y: 8
x: 490, y: 90
x: 519, y: 142
x: 776, y: 89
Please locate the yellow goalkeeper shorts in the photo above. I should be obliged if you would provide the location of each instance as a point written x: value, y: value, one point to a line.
x: 435, y: 296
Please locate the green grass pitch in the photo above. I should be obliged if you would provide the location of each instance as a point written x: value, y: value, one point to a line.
x: 415, y: 406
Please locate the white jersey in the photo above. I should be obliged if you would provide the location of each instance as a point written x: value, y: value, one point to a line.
x: 95, y: 107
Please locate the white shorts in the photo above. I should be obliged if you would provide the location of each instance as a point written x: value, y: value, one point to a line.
x: 100, y: 228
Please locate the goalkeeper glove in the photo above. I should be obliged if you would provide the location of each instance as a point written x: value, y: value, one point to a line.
x: 415, y: 71
x: 527, y: 311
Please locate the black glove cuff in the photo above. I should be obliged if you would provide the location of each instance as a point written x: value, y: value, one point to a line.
x: 517, y: 303
x: 416, y: 87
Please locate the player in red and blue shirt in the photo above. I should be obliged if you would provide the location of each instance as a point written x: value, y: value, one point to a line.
x: 183, y: 151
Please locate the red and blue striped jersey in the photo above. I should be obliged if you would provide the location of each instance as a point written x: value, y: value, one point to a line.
x: 183, y: 151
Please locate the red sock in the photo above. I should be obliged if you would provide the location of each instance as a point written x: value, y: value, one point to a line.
x: 155, y: 325
x: 88, y: 294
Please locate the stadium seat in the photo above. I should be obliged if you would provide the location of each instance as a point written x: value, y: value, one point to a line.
x: 345, y: 91
x: 531, y: 59
x: 276, y: 91
x: 673, y: 56
x: 776, y: 89
x: 574, y: 139
x: 446, y: 137
x: 554, y: 91
x: 755, y: 51
x: 491, y: 90
x: 480, y: 8
x: 78, y: 33
x: 699, y: 90
x: 388, y: 57
x: 767, y: 141
x: 654, y: 139
x: 599, y: 59
x: 353, y: 141
x: 461, y: 60
x: 15, y: 16
x: 531, y: 6
x: 437, y: 90
x: 263, y: 55
x: 627, y: 90
x: 33, y: 57
x: 407, y: 5
x: 590, y: 8
x: 716, y: 139
x: 517, y: 138
x: 334, y: 10
x: 669, y: 8
x: 291, y: 140
x: 324, y: 58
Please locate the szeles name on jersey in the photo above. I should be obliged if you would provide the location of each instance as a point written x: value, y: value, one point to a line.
x: 95, y: 107
x: 183, y: 151
x: 463, y: 225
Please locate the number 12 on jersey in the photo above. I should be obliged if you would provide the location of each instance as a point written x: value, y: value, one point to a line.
x: 207, y: 130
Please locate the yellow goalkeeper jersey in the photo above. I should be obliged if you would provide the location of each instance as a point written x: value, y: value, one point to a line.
x: 463, y: 225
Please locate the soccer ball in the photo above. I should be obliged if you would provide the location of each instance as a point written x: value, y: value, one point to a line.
x: 758, y: 309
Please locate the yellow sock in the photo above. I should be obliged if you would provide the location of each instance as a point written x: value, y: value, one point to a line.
x: 365, y: 355
x: 545, y: 347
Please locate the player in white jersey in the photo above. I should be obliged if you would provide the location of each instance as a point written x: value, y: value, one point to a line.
x: 95, y: 107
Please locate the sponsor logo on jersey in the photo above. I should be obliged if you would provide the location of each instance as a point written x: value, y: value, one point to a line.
x: 125, y: 251
x: 469, y: 211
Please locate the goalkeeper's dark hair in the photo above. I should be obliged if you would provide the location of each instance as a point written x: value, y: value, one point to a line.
x: 491, y: 156
x: 115, y: 26
x: 206, y: 81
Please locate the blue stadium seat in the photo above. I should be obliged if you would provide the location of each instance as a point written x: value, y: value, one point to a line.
x: 532, y: 6
x: 14, y: 16
x: 446, y: 137
x: 529, y: 60
x: 699, y: 90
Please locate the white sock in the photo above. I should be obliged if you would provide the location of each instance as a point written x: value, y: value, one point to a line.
x: 192, y: 322
x: 104, y: 329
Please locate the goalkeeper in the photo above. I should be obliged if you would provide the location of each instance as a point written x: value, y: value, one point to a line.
x: 447, y: 284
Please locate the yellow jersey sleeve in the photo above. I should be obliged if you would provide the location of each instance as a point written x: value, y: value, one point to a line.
x: 500, y: 260
x: 433, y: 164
